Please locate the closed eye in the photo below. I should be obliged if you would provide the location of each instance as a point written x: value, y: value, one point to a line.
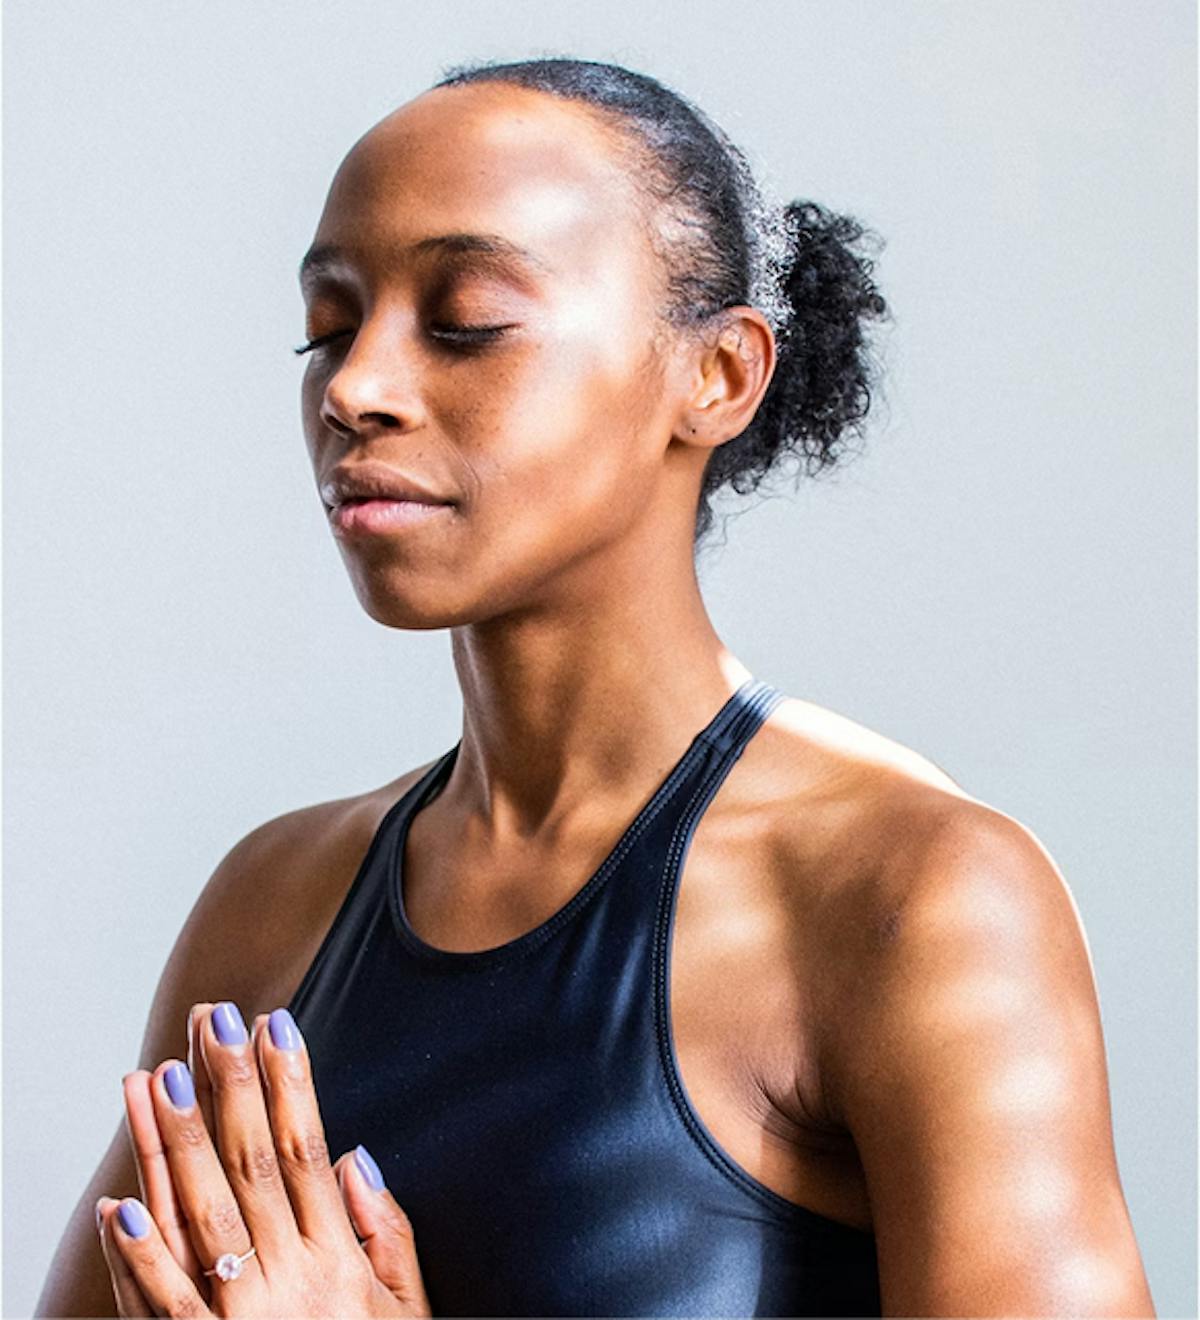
x: 321, y: 340
x: 465, y: 336
x: 461, y: 335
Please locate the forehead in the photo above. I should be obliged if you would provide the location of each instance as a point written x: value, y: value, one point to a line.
x: 547, y: 174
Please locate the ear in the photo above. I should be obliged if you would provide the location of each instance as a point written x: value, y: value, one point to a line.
x: 731, y: 375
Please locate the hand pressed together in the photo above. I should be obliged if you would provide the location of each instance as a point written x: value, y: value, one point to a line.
x: 267, y: 1186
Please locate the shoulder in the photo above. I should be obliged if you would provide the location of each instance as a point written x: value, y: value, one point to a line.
x: 261, y: 915
x: 289, y: 869
x: 290, y: 859
x: 903, y: 880
x: 961, y: 1043
x: 965, y: 917
x: 896, y: 836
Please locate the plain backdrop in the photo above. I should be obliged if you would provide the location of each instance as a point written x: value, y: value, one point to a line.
x: 1003, y: 578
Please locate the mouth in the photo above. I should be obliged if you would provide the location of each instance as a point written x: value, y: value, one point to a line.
x: 359, y: 483
x: 375, y: 516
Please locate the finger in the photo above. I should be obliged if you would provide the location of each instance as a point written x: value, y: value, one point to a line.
x: 196, y: 1066
x: 244, y: 1138
x: 383, y: 1226
x: 154, y: 1176
x: 165, y: 1286
x: 299, y: 1132
x: 213, y: 1215
x: 130, y: 1299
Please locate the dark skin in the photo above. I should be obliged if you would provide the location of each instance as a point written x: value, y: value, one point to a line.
x: 908, y: 1037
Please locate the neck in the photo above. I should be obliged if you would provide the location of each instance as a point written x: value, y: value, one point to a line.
x: 599, y: 685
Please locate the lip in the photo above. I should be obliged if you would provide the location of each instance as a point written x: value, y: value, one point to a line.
x: 381, y: 517
x: 372, y: 482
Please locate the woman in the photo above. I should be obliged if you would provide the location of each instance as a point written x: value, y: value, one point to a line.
x: 661, y: 992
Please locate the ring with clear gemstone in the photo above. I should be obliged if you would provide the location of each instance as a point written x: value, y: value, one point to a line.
x: 229, y: 1266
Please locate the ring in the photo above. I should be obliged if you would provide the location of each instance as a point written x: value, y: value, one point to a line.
x: 229, y: 1266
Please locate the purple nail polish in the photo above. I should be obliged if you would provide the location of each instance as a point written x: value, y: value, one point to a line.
x: 178, y: 1082
x: 228, y: 1025
x: 134, y: 1219
x: 368, y: 1168
x: 285, y: 1034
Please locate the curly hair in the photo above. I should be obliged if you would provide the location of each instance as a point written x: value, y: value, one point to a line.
x: 728, y: 244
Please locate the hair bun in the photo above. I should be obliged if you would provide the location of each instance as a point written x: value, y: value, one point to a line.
x: 824, y: 375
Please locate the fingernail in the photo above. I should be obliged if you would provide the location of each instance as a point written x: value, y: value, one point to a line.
x: 134, y: 1219
x: 368, y: 1168
x: 285, y: 1035
x: 178, y: 1082
x: 227, y: 1023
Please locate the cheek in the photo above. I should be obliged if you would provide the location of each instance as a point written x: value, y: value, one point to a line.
x: 566, y: 485
x: 555, y: 452
x: 574, y: 418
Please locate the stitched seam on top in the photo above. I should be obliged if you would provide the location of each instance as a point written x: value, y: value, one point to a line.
x: 707, y: 1144
x: 664, y: 793
x: 674, y: 1084
x: 315, y: 968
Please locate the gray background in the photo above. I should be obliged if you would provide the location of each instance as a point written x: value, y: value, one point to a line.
x: 1003, y: 580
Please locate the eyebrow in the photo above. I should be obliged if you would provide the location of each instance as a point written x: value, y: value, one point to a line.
x: 496, y: 250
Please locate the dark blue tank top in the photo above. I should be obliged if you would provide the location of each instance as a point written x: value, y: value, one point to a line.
x: 525, y: 1104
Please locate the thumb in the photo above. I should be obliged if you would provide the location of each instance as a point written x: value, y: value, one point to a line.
x: 387, y: 1235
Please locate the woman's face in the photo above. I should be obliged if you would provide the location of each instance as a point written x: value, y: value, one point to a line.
x: 487, y: 294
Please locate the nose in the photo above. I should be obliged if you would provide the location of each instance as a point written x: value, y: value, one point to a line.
x: 374, y: 387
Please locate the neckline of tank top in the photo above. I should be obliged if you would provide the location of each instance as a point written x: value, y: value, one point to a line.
x: 721, y: 733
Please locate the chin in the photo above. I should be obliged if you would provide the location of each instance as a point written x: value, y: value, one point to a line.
x: 416, y: 608
x: 406, y: 598
x: 401, y: 594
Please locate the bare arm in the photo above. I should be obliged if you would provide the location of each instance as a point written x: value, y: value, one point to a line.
x: 251, y: 934
x: 971, y: 1073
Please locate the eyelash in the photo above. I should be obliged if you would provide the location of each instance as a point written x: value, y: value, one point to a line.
x: 463, y: 337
